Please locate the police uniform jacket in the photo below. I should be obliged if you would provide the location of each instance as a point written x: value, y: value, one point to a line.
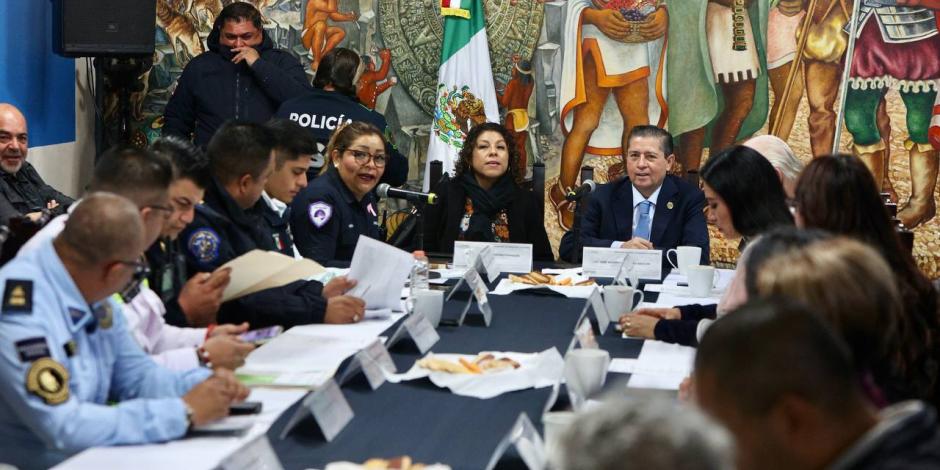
x: 321, y: 111
x: 212, y: 89
x: 277, y: 224
x: 326, y: 219
x: 62, y: 361
x: 220, y: 232
x: 167, y: 277
x: 27, y: 192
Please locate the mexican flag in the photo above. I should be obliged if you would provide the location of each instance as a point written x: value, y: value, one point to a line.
x: 466, y: 95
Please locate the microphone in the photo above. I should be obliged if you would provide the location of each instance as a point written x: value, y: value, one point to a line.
x: 577, y: 194
x: 386, y: 191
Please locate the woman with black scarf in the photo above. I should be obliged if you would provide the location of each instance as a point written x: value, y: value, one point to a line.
x: 483, y: 201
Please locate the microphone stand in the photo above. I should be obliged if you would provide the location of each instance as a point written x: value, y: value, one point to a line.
x: 578, y: 249
x: 419, y: 223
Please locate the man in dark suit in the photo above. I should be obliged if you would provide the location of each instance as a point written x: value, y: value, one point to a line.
x: 646, y: 210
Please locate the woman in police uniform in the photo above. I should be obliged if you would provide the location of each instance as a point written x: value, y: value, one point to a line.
x: 329, y: 215
x: 484, y: 202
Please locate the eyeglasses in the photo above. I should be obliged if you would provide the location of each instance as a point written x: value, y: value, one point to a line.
x: 167, y: 210
x: 363, y: 158
x: 141, y: 268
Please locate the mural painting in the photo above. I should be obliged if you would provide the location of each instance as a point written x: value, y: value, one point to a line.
x: 573, y: 76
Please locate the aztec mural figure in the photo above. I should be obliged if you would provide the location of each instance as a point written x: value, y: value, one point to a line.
x: 897, y: 47
x: 783, y: 21
x: 514, y: 98
x: 318, y: 36
x: 612, y: 80
x: 369, y: 87
x: 717, y: 74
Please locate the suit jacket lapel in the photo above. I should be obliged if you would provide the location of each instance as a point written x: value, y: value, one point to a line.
x: 623, y: 209
x: 665, y: 206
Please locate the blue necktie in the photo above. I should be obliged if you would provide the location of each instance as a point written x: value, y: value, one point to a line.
x: 643, y: 223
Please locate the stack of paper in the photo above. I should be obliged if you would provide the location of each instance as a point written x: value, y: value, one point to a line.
x: 380, y: 271
x: 195, y: 453
x: 660, y: 366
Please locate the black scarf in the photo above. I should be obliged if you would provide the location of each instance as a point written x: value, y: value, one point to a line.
x: 486, y: 205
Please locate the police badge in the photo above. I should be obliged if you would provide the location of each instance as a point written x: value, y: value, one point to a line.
x: 204, y: 245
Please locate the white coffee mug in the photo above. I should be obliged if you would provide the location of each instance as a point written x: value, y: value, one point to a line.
x: 701, y: 280
x: 586, y: 371
x: 555, y: 424
x: 685, y: 256
x: 620, y: 300
x: 430, y: 303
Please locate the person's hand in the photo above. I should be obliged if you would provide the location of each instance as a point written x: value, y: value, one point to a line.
x: 228, y: 329
x: 338, y: 286
x: 610, y: 22
x: 34, y: 216
x: 663, y: 313
x: 790, y: 7
x: 227, y: 352
x: 687, y: 390
x: 52, y: 204
x: 344, y: 309
x: 637, y: 243
x: 201, y: 296
x: 239, y: 392
x: 210, y: 399
x: 654, y: 27
x: 248, y: 54
x: 638, y: 326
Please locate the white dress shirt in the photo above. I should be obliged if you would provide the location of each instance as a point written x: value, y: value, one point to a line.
x: 637, y: 200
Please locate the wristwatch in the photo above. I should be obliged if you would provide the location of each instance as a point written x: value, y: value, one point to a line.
x: 203, y: 355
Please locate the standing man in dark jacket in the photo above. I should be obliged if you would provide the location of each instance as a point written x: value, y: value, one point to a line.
x: 224, y: 228
x: 22, y: 190
x: 242, y: 77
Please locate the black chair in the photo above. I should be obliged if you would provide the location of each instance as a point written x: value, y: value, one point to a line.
x: 436, y: 171
x: 538, y: 186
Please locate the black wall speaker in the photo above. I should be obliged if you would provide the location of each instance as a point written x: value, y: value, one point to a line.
x: 89, y: 28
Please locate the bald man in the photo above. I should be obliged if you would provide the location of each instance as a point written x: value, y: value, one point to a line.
x: 66, y: 354
x: 20, y: 185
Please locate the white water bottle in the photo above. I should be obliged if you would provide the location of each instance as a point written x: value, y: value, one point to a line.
x: 419, y: 274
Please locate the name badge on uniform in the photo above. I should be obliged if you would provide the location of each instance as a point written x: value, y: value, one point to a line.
x: 31, y: 349
x: 18, y: 296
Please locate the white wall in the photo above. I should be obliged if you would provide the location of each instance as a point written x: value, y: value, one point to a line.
x: 67, y: 167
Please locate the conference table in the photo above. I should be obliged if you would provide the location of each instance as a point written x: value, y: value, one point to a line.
x: 432, y: 424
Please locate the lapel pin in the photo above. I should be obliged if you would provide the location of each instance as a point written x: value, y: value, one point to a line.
x: 670, y: 205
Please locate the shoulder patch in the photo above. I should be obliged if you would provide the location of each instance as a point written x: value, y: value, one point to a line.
x: 49, y: 380
x: 18, y: 296
x: 320, y: 213
x: 31, y: 349
x: 204, y: 245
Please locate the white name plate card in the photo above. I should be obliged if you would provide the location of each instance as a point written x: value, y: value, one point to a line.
x: 329, y: 408
x: 258, y: 454
x: 510, y: 257
x: 595, y: 305
x: 528, y: 443
x: 606, y: 262
x: 417, y: 326
x: 585, y: 334
x: 479, y: 294
x: 374, y: 361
